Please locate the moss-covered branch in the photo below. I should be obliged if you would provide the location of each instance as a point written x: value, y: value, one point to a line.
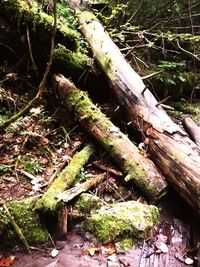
x: 65, y: 179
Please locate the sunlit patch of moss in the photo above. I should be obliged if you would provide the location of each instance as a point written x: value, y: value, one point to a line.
x: 71, y: 60
x: 130, y: 218
x: 126, y: 244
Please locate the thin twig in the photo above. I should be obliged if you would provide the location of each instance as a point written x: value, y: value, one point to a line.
x: 35, y: 68
x: 106, y: 168
x: 163, y: 101
x: 151, y: 75
x: 187, y: 52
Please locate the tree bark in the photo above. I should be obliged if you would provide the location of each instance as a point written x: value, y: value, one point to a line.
x: 135, y: 165
x: 192, y: 129
x: 169, y: 147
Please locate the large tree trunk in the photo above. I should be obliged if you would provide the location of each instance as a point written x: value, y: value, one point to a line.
x: 170, y: 148
x: 135, y: 165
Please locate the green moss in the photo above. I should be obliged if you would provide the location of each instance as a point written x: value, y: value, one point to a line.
x: 28, y: 221
x: 49, y: 202
x: 87, y: 203
x: 73, y: 61
x: 85, y: 109
x: 182, y: 107
x: 126, y: 244
x: 132, y: 218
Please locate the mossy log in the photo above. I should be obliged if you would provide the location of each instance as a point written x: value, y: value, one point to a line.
x: 49, y: 201
x: 24, y: 13
x: 27, y: 220
x: 138, y: 168
x: 168, y: 146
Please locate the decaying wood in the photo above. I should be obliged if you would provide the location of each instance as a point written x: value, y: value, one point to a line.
x: 138, y: 168
x: 168, y: 146
x: 71, y: 193
x: 106, y: 168
x: 192, y: 129
x: 61, y: 231
x: 49, y: 201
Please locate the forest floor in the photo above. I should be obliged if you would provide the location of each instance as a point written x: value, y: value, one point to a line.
x: 33, y: 149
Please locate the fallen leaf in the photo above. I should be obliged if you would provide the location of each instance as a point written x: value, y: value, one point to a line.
x: 6, y: 262
x: 91, y: 251
x: 108, y: 250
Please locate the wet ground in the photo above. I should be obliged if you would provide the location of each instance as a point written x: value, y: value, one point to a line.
x: 79, y: 251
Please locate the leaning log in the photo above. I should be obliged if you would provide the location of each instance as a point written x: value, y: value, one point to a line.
x: 138, y: 168
x: 169, y: 147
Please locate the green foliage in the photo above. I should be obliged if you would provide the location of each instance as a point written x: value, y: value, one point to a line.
x: 172, y: 65
x: 31, y: 165
x: 83, y: 176
x: 66, y: 15
x: 5, y: 168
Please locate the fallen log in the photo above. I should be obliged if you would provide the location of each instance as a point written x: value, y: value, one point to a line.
x: 21, y: 12
x: 135, y: 165
x: 192, y: 129
x: 49, y: 201
x: 169, y: 147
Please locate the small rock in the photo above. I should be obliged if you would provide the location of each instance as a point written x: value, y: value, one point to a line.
x: 112, y: 261
x: 189, y: 261
x: 54, y: 253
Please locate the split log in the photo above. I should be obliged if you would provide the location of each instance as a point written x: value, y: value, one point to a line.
x: 169, y: 147
x: 192, y: 129
x: 71, y: 193
x: 135, y: 165
x: 49, y: 201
